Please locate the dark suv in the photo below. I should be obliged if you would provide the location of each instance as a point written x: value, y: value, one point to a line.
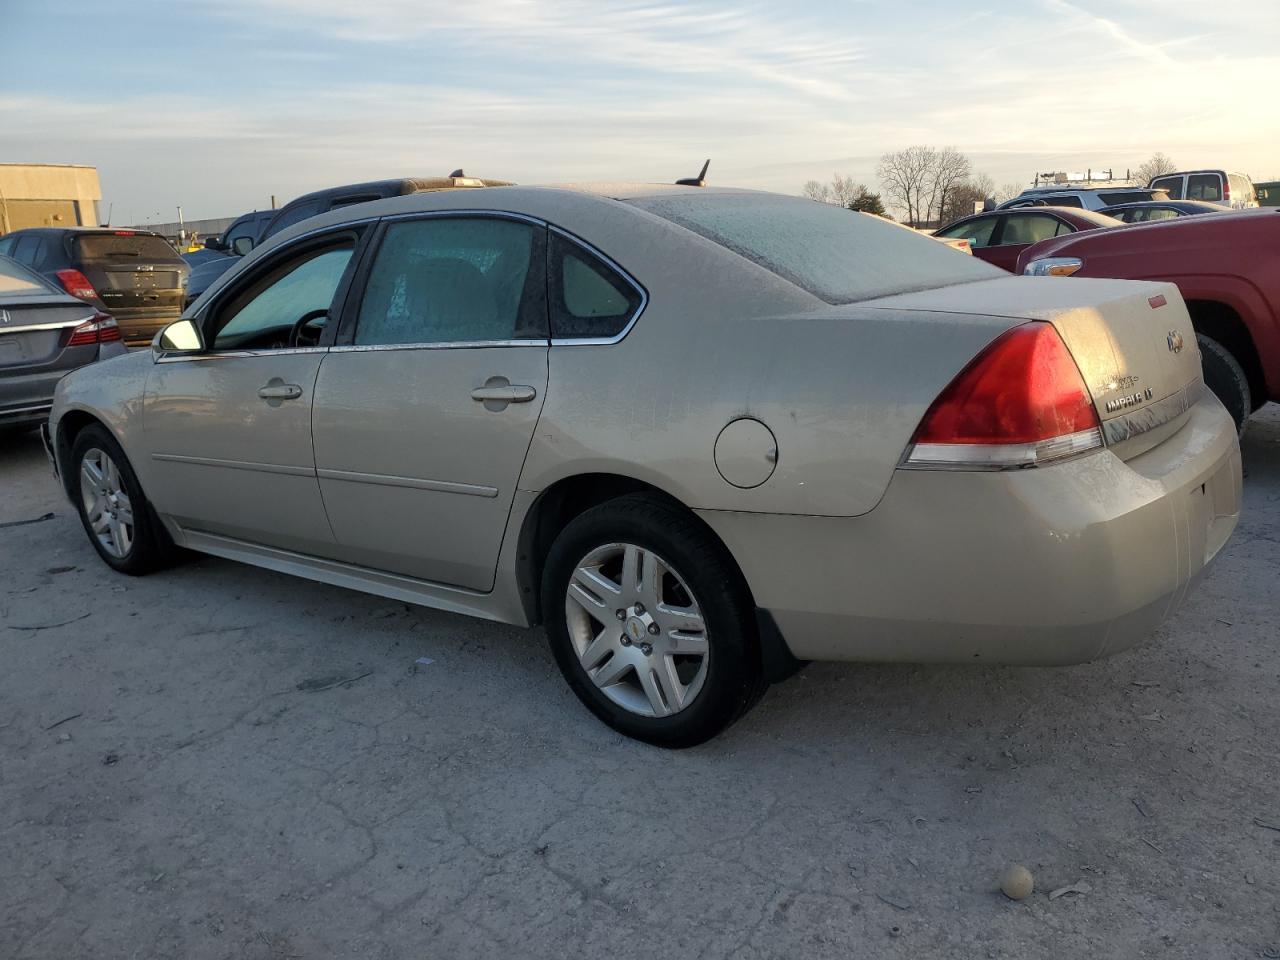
x: 134, y: 275
x: 239, y: 238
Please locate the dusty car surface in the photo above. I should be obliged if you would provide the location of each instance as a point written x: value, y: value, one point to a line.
x: 700, y: 434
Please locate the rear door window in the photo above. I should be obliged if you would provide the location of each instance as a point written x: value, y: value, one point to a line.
x: 1204, y: 186
x: 590, y: 300
x: 291, y: 215
x: 1064, y: 200
x: 1172, y: 184
x: 24, y: 251
x: 977, y: 232
x: 124, y: 247
x: 1028, y: 228
x: 455, y: 280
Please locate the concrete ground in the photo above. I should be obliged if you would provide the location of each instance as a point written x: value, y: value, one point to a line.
x: 182, y: 775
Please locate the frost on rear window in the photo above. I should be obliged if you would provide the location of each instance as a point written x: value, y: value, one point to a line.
x: 833, y: 253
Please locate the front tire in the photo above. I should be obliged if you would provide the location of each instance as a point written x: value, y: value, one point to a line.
x: 116, y: 515
x: 1226, y: 378
x: 650, y: 622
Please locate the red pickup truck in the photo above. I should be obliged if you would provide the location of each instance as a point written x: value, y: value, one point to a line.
x: 1227, y: 266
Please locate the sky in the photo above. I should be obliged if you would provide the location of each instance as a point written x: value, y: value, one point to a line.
x: 217, y: 106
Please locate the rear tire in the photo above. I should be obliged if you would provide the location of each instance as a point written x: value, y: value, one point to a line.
x: 671, y: 664
x: 117, y: 517
x: 1226, y: 378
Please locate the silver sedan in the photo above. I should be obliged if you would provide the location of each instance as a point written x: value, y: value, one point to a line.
x: 702, y: 435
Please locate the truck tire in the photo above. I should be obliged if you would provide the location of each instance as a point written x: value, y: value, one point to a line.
x: 1226, y: 378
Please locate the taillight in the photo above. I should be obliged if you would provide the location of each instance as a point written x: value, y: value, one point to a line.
x: 77, y: 284
x: 100, y: 328
x: 1226, y: 190
x: 1019, y: 403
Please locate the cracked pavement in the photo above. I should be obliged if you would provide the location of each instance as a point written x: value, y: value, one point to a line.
x: 471, y: 808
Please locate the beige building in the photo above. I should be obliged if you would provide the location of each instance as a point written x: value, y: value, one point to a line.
x: 48, y: 195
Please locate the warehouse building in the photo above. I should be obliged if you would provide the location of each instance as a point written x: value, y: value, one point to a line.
x: 48, y: 195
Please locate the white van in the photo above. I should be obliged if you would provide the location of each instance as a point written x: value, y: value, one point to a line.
x: 1234, y: 190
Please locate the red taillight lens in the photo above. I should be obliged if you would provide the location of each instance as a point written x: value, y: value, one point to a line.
x: 100, y: 328
x: 1226, y: 190
x: 1020, y: 402
x: 77, y: 284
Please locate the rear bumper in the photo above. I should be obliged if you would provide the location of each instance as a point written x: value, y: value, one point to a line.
x: 1050, y: 565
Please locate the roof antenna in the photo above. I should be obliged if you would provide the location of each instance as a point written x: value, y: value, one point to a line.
x: 699, y: 181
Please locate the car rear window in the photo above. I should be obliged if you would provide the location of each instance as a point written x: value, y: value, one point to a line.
x: 124, y: 246
x: 835, y: 254
x: 1130, y: 196
x: 17, y: 281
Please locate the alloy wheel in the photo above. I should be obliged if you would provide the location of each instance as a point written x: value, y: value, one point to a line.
x: 106, y: 503
x: 637, y: 629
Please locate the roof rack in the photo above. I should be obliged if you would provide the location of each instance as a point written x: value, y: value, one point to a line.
x: 1082, y: 180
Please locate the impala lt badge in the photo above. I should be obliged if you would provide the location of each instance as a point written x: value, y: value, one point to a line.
x: 1132, y: 399
x: 1175, y: 341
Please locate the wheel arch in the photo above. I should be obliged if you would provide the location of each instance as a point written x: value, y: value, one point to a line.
x: 571, y: 496
x: 69, y: 426
x: 1222, y: 322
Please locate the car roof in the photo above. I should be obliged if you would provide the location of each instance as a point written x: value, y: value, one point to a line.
x: 397, y: 186
x: 120, y: 231
x: 1143, y: 204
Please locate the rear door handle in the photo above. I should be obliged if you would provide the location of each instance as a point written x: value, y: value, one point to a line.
x: 280, y: 391
x: 497, y: 392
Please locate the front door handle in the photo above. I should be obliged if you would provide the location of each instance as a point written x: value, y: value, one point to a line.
x: 276, y: 390
x: 497, y: 392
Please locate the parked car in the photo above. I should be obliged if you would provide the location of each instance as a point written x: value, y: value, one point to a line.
x: 134, y: 275
x: 998, y: 236
x: 251, y: 229
x: 1233, y: 190
x: 44, y: 334
x: 1085, y: 198
x: 1268, y: 193
x: 698, y: 433
x: 1159, y: 210
x: 1228, y: 269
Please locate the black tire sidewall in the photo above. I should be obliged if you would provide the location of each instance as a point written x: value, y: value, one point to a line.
x: 1226, y: 378
x: 733, y: 680
x: 146, y: 551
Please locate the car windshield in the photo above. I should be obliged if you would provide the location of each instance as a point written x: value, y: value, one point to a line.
x: 17, y: 281
x: 835, y: 254
x: 124, y: 246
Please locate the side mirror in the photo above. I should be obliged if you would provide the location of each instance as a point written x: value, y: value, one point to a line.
x: 242, y: 245
x: 181, y: 336
x: 215, y: 243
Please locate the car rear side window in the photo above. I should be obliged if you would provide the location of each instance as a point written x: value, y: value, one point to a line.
x: 123, y: 246
x: 291, y: 215
x: 24, y: 251
x: 455, y: 280
x: 1204, y: 186
x: 1172, y: 184
x: 835, y: 254
x: 1023, y: 228
x: 590, y: 300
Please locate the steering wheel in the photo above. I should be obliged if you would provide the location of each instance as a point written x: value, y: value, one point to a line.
x: 301, y: 336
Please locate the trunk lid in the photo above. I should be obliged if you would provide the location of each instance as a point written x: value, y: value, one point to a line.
x: 1132, y: 341
x: 34, y: 333
x: 138, y: 276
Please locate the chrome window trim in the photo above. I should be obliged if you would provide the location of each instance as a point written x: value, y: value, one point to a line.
x: 443, y: 345
x: 53, y: 325
x: 617, y: 268
x: 174, y: 356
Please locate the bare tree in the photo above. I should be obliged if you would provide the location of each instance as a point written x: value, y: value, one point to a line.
x: 921, y: 180
x: 1007, y: 192
x: 905, y: 179
x: 1157, y: 166
x: 816, y: 191
x: 964, y: 196
x: 843, y: 191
